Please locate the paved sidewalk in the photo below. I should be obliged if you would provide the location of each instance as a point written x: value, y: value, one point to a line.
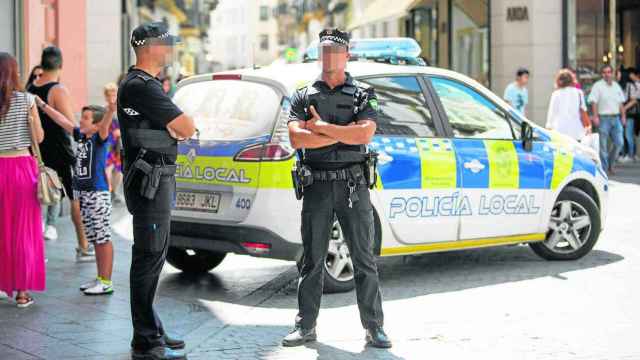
x: 503, y: 303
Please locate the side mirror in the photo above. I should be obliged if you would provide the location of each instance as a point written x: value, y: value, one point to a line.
x: 526, y: 135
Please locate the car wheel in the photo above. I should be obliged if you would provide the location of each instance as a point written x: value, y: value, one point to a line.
x: 574, y: 227
x: 194, y: 261
x: 338, y: 268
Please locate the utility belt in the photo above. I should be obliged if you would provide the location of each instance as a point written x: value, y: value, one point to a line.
x: 146, y: 177
x: 359, y: 174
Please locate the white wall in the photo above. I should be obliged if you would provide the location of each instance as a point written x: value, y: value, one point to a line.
x: 104, y: 58
x: 535, y: 44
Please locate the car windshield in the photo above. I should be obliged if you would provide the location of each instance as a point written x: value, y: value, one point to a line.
x: 229, y: 109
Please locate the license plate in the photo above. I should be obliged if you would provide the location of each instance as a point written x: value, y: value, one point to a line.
x: 208, y: 202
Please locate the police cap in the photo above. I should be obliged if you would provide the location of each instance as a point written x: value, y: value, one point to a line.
x: 334, y: 36
x: 153, y: 33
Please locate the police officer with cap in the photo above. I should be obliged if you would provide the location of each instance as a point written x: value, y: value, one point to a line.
x: 151, y: 125
x: 331, y: 122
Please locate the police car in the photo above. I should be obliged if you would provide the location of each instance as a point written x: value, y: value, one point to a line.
x: 458, y: 169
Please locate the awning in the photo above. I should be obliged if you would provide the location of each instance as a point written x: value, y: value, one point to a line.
x: 381, y: 10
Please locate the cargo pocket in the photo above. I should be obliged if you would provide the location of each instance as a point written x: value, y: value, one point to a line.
x: 150, y: 237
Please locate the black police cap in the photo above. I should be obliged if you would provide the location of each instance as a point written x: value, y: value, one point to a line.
x: 334, y: 36
x: 153, y: 33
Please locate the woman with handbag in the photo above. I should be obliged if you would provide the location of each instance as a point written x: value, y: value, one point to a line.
x: 567, y: 112
x: 22, y: 268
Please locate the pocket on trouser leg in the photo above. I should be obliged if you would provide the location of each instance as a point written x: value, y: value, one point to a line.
x: 150, y: 237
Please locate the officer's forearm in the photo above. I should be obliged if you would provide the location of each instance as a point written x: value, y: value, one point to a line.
x: 302, y: 138
x: 356, y: 134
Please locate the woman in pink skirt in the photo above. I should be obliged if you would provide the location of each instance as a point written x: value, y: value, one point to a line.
x: 22, y: 266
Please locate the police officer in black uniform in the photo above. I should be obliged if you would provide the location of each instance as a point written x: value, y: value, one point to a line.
x: 151, y: 125
x: 331, y: 121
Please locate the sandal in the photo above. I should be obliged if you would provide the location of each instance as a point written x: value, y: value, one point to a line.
x: 24, y: 301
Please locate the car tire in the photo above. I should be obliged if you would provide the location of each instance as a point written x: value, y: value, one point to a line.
x: 344, y: 282
x: 194, y: 261
x: 574, y: 227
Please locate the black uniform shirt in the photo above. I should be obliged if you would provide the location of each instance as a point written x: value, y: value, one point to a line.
x: 142, y: 104
x: 350, y: 102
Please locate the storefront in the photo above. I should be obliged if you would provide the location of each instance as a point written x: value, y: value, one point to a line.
x: 599, y: 32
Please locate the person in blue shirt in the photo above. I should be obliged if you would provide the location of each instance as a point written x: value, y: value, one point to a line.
x: 516, y: 93
x: 91, y: 188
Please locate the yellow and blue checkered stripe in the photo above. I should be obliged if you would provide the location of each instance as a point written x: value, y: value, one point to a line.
x: 424, y: 163
x: 440, y: 163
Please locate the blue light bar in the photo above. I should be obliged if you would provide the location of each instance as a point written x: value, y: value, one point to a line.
x: 393, y: 50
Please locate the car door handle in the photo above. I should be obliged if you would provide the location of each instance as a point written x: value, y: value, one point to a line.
x: 474, y: 165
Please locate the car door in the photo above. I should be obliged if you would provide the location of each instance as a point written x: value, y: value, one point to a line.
x: 417, y: 167
x: 503, y: 184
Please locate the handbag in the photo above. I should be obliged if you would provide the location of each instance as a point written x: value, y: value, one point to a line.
x: 50, y: 189
x: 584, y: 116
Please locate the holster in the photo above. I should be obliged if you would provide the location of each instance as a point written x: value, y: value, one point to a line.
x: 371, y: 169
x: 302, y: 177
x: 147, y: 176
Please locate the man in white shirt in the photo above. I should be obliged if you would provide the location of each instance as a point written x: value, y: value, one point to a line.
x: 607, y: 101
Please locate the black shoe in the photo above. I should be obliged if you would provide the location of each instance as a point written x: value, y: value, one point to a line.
x: 158, y: 353
x: 171, y: 343
x: 377, y: 338
x: 299, y: 336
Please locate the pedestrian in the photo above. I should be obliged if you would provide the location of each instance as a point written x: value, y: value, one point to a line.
x: 56, y: 149
x: 516, y: 93
x: 90, y: 185
x: 114, y: 147
x: 326, y: 116
x: 150, y: 124
x: 22, y: 264
x: 566, y: 108
x: 607, y: 102
x: 36, y: 72
x: 632, y: 110
x: 167, y: 86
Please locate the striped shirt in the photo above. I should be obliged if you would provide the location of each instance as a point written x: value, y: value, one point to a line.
x: 14, y: 125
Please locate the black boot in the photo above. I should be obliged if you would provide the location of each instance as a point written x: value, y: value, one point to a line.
x: 158, y: 353
x: 299, y: 336
x: 377, y: 338
x: 171, y: 343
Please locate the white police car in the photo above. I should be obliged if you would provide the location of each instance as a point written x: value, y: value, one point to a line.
x: 459, y: 169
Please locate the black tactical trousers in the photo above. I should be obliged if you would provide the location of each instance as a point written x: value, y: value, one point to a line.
x: 321, y: 201
x: 151, y: 221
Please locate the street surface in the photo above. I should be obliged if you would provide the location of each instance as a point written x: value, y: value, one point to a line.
x: 499, y: 303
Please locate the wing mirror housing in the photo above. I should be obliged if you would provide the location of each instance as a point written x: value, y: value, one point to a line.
x: 526, y: 135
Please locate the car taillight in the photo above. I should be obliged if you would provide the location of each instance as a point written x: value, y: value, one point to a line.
x: 265, y: 152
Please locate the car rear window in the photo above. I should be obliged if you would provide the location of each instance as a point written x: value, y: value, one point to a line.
x: 229, y: 109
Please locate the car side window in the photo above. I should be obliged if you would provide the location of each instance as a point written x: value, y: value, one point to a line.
x: 470, y: 114
x: 402, y: 109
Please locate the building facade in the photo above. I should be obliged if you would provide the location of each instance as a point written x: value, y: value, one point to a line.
x: 489, y: 39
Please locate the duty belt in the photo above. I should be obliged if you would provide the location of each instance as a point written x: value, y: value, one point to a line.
x: 336, y: 175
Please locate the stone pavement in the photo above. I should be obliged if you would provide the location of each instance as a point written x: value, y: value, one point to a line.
x: 500, y: 303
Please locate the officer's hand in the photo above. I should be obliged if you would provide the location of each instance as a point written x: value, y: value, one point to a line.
x: 316, y: 123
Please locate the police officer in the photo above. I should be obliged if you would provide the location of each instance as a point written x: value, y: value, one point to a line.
x: 151, y: 125
x: 332, y: 120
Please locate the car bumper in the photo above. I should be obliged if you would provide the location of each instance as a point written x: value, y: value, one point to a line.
x: 230, y: 238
